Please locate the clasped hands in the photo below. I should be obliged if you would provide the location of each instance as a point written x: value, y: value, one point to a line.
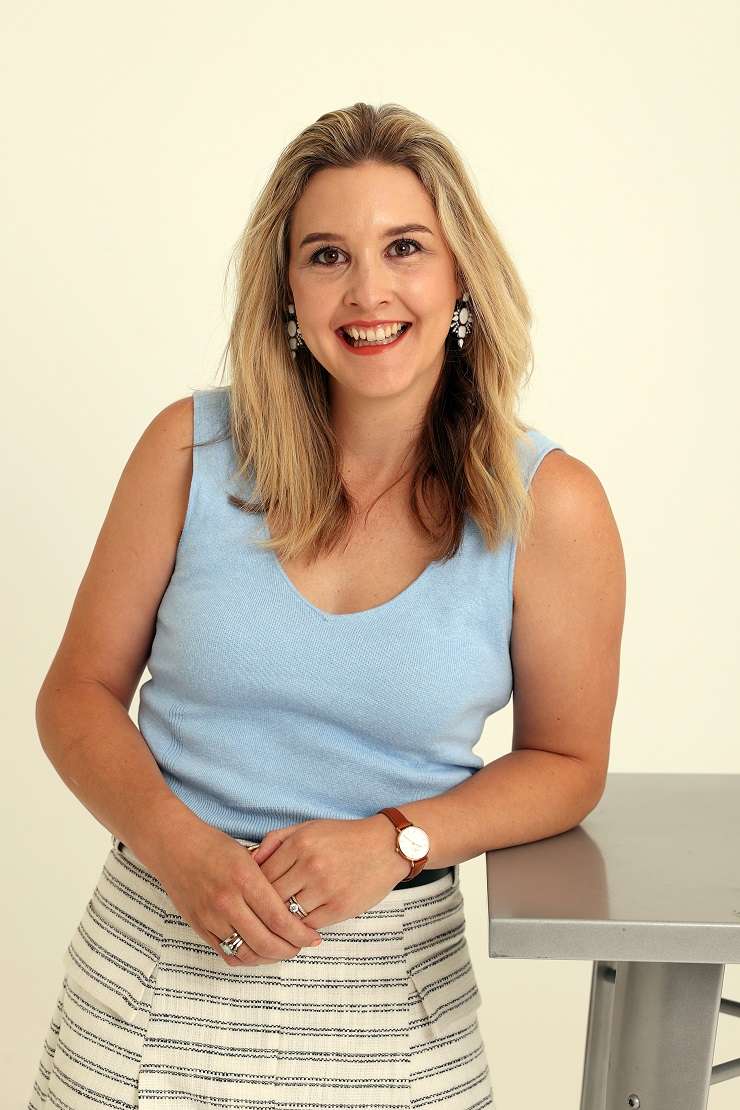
x: 335, y: 869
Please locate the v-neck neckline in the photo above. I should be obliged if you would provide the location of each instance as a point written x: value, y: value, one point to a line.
x: 406, y: 595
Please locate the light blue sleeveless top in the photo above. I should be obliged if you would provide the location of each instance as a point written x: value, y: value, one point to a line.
x: 263, y: 710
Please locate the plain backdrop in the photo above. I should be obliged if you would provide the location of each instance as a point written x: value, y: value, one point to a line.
x: 603, y: 139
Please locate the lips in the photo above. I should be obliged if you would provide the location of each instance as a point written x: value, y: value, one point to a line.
x: 405, y: 325
x: 370, y: 348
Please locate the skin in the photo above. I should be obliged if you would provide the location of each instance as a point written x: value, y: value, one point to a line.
x: 377, y: 403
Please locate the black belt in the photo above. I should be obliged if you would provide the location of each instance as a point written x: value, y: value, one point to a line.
x: 426, y: 875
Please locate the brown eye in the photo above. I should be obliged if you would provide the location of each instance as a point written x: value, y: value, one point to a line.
x: 407, y: 243
x: 315, y: 259
x: 324, y: 250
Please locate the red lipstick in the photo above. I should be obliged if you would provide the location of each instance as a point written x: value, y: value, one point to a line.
x: 371, y: 348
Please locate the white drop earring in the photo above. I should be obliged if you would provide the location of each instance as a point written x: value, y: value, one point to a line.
x: 462, y: 319
x: 295, y: 339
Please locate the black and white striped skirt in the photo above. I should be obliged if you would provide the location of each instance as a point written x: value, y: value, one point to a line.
x: 382, y: 1014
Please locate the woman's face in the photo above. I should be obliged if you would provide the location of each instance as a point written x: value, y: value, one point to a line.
x: 358, y: 266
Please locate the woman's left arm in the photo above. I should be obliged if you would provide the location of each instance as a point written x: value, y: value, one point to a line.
x: 569, y: 600
x: 569, y: 604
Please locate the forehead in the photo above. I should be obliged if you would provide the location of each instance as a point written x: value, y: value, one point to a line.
x: 361, y: 199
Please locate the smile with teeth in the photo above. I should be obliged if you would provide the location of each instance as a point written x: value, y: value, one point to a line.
x: 378, y: 336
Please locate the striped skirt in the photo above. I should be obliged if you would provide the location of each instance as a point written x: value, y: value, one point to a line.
x: 382, y: 1014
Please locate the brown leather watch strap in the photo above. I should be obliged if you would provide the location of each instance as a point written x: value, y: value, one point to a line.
x: 397, y: 818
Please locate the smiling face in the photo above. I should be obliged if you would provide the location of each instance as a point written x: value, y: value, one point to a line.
x: 359, y: 252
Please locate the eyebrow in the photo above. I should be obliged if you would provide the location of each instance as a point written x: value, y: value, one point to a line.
x: 317, y: 236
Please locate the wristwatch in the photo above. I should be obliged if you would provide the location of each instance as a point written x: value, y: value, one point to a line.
x: 411, y: 841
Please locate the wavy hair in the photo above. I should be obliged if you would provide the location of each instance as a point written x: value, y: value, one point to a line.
x: 279, y: 406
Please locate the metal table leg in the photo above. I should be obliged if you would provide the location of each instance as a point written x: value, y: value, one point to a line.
x: 664, y: 1027
x: 598, y: 1036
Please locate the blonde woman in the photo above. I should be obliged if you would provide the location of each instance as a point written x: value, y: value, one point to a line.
x: 322, y: 563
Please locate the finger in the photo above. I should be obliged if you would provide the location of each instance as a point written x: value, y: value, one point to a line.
x: 274, y: 932
x: 296, y: 931
x: 287, y: 891
x: 268, y: 929
x: 272, y: 912
x: 258, y: 945
x: 238, y: 959
x: 244, y: 955
x: 288, y: 886
x: 260, y: 942
x: 213, y: 940
x: 264, y: 923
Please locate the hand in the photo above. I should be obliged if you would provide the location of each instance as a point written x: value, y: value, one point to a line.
x: 216, y: 886
x: 335, y: 869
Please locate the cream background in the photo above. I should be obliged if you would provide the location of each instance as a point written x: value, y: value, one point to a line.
x: 603, y: 138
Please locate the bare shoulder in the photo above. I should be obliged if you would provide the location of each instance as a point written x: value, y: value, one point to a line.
x: 111, y: 625
x: 159, y: 471
x: 568, y: 616
x: 572, y: 518
x: 172, y: 425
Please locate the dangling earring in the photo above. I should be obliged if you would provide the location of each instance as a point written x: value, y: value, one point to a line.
x: 295, y: 339
x: 462, y: 320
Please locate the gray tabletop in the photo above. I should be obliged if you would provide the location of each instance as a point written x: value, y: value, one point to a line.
x: 653, y: 873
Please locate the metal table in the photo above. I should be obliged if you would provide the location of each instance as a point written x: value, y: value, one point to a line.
x: 648, y: 888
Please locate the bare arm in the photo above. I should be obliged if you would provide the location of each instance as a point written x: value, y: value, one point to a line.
x: 85, y: 730
x: 569, y: 602
x: 82, y: 706
x: 101, y: 756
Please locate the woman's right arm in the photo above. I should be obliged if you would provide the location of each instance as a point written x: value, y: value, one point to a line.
x: 82, y: 707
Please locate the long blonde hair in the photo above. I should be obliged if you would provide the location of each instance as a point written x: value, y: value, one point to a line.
x: 279, y: 407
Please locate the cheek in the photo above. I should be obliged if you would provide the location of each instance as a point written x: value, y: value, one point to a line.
x: 429, y: 298
x: 316, y: 312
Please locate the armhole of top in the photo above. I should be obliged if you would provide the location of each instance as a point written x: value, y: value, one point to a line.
x: 193, y: 491
x: 528, y: 476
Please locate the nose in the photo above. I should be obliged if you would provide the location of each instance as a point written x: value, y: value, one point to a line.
x: 368, y: 283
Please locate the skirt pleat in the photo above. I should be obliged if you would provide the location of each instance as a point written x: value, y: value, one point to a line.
x: 382, y: 1014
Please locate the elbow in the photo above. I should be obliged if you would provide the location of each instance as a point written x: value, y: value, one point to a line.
x: 41, y: 716
x: 593, y: 796
x: 46, y: 713
x: 591, y: 789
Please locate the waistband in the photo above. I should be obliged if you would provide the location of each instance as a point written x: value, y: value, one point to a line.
x: 426, y: 875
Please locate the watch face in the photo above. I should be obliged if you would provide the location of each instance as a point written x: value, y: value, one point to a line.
x: 413, y: 842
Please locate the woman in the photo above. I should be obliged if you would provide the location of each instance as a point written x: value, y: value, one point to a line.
x: 330, y: 596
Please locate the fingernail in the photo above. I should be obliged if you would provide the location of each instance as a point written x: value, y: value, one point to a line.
x: 315, y: 942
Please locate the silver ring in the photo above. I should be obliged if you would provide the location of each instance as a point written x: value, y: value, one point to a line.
x: 293, y: 905
x: 296, y: 907
x: 232, y: 944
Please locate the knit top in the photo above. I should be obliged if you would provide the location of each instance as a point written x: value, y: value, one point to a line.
x: 263, y: 710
